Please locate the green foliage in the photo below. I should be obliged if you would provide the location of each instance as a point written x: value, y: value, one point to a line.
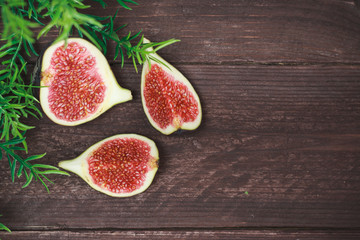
x: 15, y: 24
x: 138, y: 53
x: 19, y: 17
x: 3, y: 227
x: 64, y: 15
x: 121, y: 2
x: 17, y: 102
x: 31, y: 171
x: 16, y: 99
x: 99, y: 30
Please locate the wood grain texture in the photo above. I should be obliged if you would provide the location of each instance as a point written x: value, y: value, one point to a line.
x: 238, y: 32
x: 205, y: 234
x: 288, y: 136
x: 279, y: 86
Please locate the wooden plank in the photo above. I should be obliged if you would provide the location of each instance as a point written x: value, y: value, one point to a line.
x: 289, y: 136
x: 238, y: 32
x: 193, y: 234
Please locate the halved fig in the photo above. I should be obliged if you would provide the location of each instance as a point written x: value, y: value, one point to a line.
x: 77, y: 83
x: 168, y: 98
x: 119, y: 166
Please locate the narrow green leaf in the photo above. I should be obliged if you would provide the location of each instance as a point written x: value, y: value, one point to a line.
x: 119, y: 28
x: 123, y: 5
x: 116, y: 51
x: 122, y: 57
x: 24, y: 127
x: 135, y: 36
x: 33, y: 157
x: 3, y: 227
x: 102, y: 3
x: 130, y: 1
x: 44, y: 166
x: 88, y: 36
x: 46, y: 29
x: 13, y: 168
x: 54, y: 172
x: 137, y: 54
x: 16, y: 106
x: 9, y: 51
x: 5, y: 133
x: 15, y: 148
x: 134, y: 62
x: 140, y: 42
x: 19, y: 172
x: 29, y: 178
x: 166, y: 43
x: 78, y: 4
x: 5, y: 76
x: 26, y: 48
x: 87, y: 20
x: 31, y: 46
x: 47, y: 179
x: 43, y: 183
x: 32, y: 8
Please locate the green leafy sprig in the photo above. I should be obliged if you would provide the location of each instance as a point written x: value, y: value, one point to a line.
x: 16, y: 96
x: 19, y: 17
x: 99, y: 30
x: 138, y: 53
x: 17, y: 102
x: 31, y: 171
x: 14, y: 21
x: 64, y: 15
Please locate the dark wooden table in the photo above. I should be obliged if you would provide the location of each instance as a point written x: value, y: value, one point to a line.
x: 277, y: 155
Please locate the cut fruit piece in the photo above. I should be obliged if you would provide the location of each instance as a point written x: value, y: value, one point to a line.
x: 78, y: 84
x: 119, y: 166
x: 168, y: 98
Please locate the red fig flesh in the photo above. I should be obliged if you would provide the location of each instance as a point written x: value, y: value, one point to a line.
x: 78, y: 83
x: 119, y: 166
x: 169, y: 100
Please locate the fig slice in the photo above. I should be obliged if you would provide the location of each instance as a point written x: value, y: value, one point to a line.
x: 119, y: 166
x: 78, y: 84
x: 168, y: 98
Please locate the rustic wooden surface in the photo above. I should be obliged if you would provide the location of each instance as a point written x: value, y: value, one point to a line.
x: 279, y: 83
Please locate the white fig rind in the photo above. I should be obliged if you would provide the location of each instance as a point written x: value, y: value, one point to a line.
x: 80, y: 166
x: 169, y: 69
x: 115, y: 94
